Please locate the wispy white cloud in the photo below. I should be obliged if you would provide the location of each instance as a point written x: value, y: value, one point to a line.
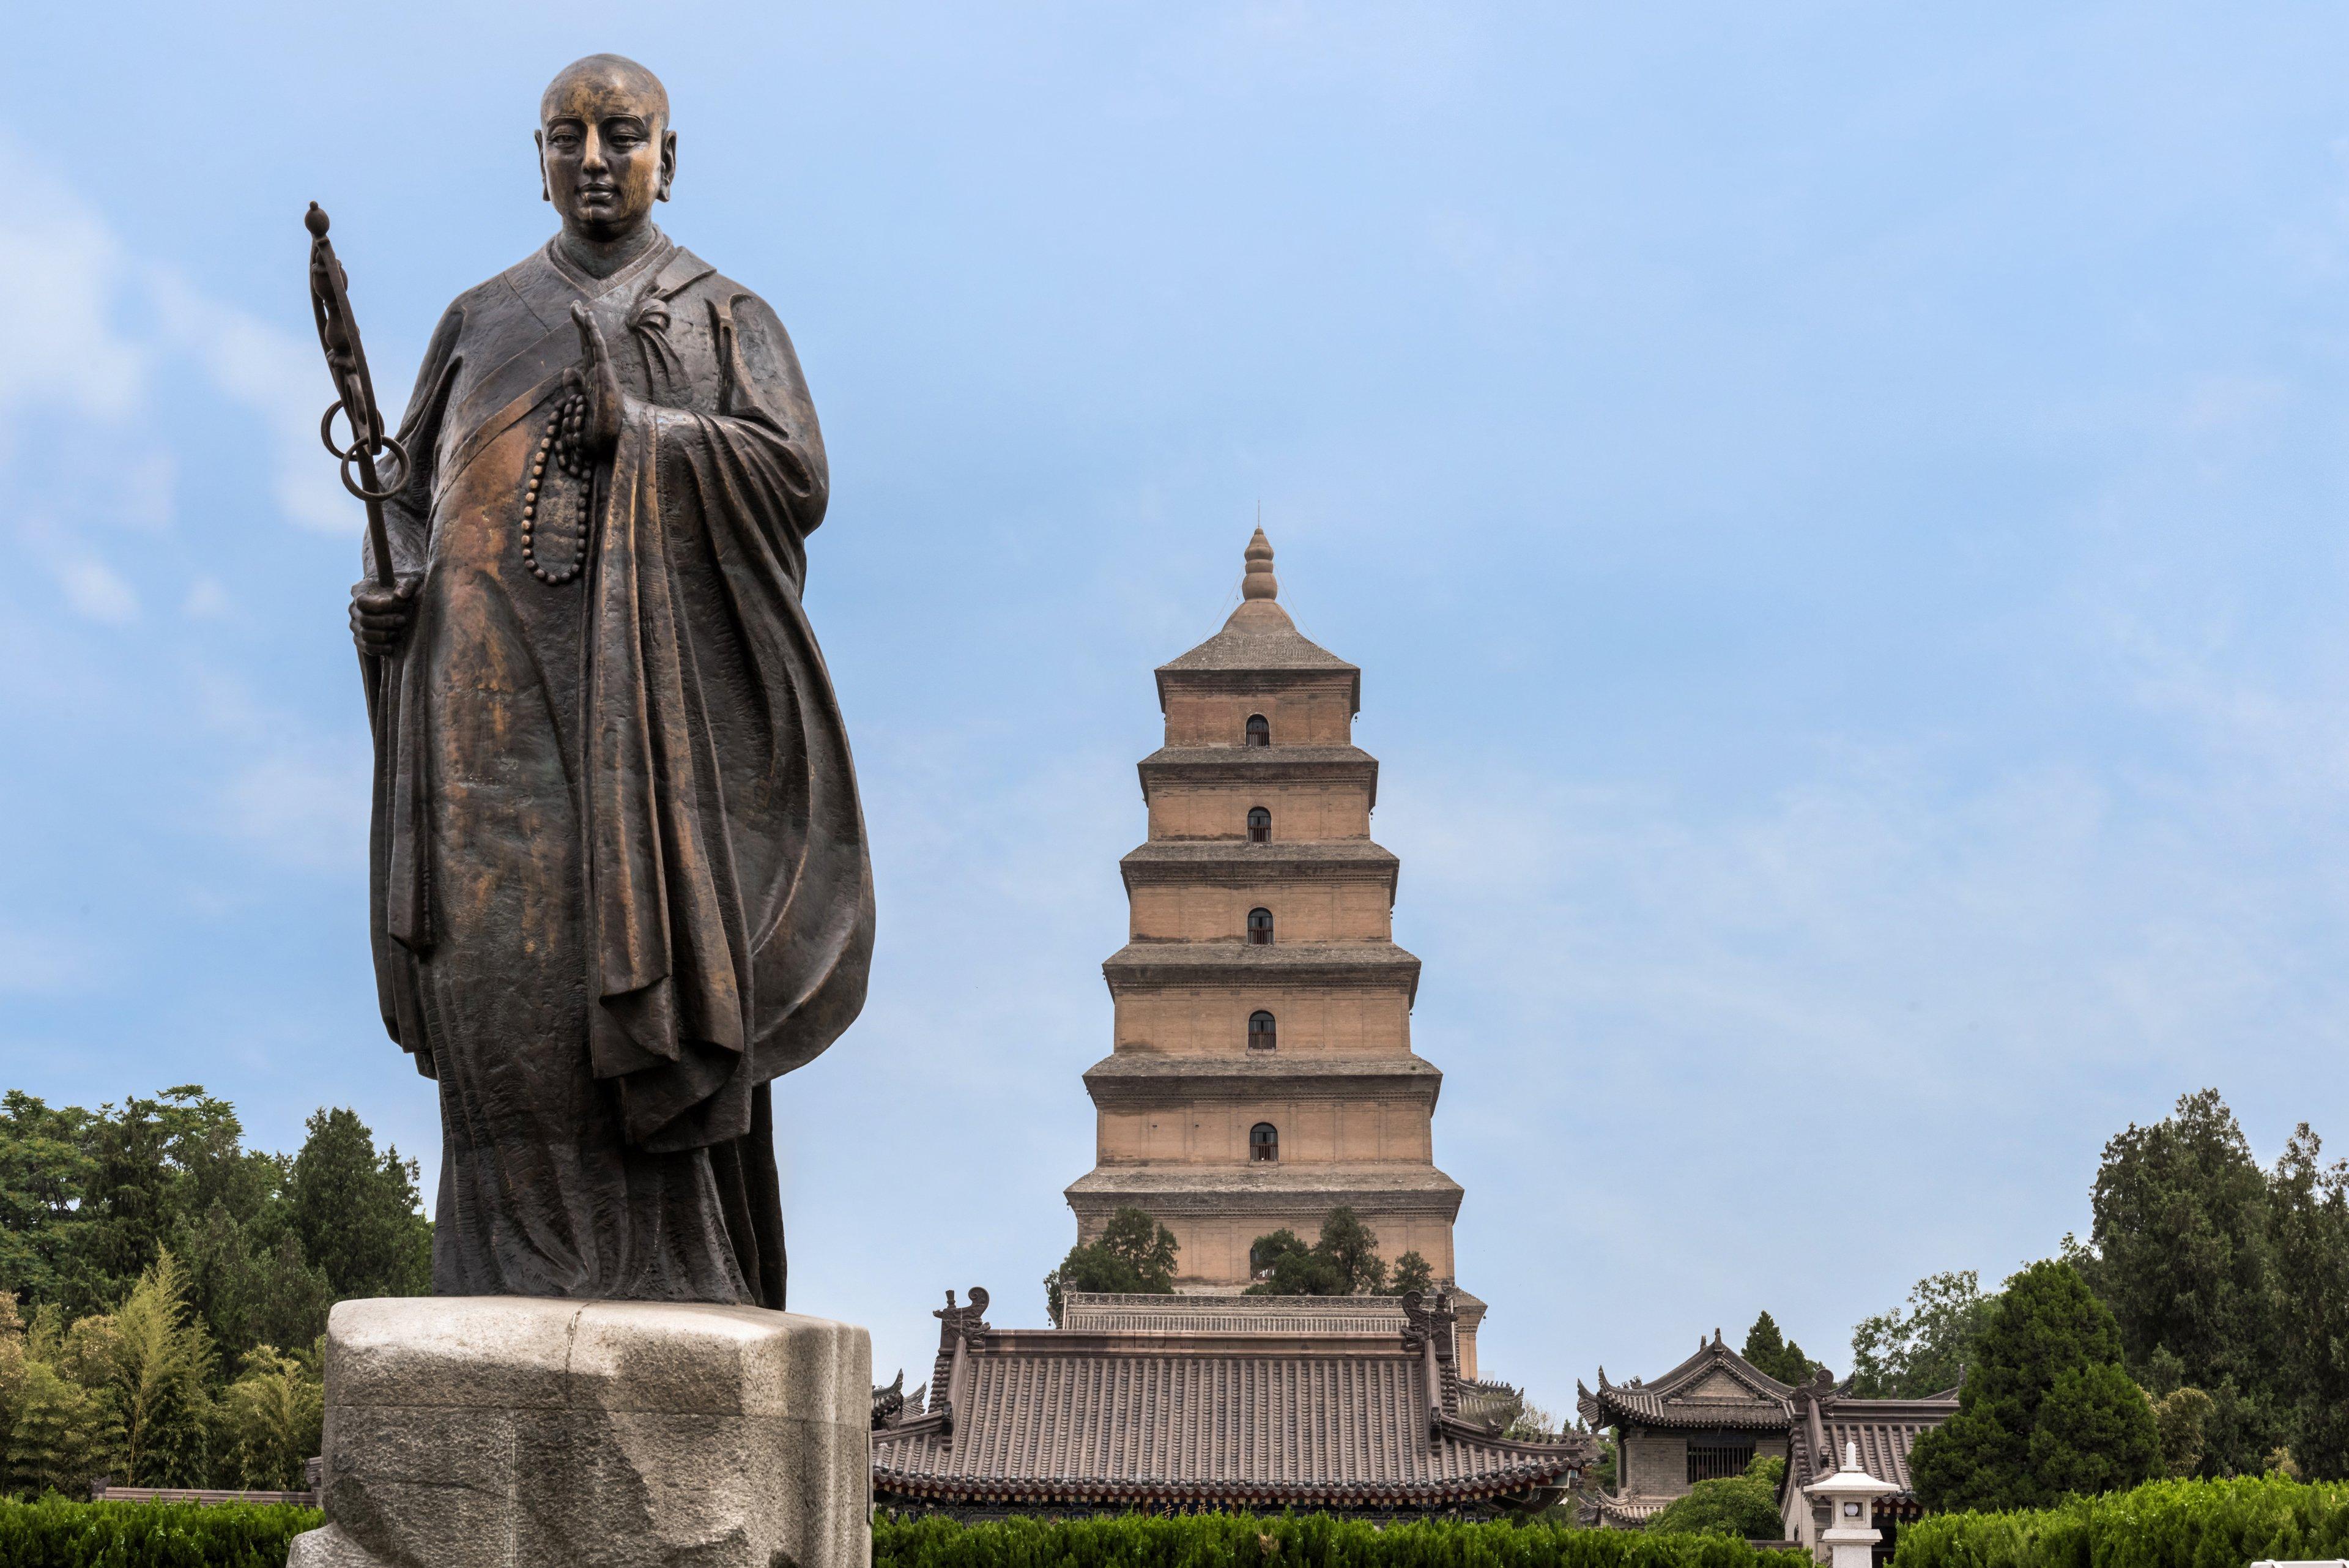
x: 207, y: 598
x: 95, y: 591
x: 270, y: 373
x: 60, y: 272
x: 85, y: 326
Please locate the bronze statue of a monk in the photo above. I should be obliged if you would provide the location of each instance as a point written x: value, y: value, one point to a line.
x: 619, y: 872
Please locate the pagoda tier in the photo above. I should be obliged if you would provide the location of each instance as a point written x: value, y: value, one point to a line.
x: 1262, y: 1072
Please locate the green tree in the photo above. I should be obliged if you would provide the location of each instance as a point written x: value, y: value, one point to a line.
x: 148, y: 1362
x: 1281, y: 1265
x: 248, y: 1289
x: 143, y: 1164
x: 1412, y: 1273
x: 1352, y: 1248
x: 273, y: 1415
x: 1922, y: 1349
x: 45, y: 1168
x: 1344, y: 1261
x: 55, y: 1443
x: 2179, y: 1418
x: 1774, y: 1355
x: 2047, y: 1408
x: 12, y: 1363
x: 356, y: 1213
x: 2180, y: 1251
x: 1135, y: 1256
x: 1744, y: 1506
x: 2309, y: 1227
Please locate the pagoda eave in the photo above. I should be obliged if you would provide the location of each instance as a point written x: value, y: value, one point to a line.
x: 1417, y: 1190
x: 1151, y: 1077
x: 1260, y: 765
x: 1160, y: 966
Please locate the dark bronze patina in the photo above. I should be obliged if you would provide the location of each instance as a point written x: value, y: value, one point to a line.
x: 619, y: 872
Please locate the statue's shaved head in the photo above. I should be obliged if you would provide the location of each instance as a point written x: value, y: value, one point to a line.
x: 606, y: 152
x: 603, y: 80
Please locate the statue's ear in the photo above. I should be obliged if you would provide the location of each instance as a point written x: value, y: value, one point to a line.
x: 538, y: 140
x: 668, y: 164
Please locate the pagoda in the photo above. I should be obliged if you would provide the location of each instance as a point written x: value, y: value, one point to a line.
x: 1262, y: 1072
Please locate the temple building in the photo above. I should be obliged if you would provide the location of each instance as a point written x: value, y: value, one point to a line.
x: 1880, y: 1433
x: 1261, y: 1073
x: 1716, y: 1413
x: 1349, y: 1404
x: 1261, y: 1076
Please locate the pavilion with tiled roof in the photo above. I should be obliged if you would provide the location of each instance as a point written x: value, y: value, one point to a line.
x: 1347, y: 1410
x: 1716, y: 1413
x: 1710, y: 1415
x: 1881, y: 1432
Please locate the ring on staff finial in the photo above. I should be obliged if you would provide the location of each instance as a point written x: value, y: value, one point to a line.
x: 327, y: 430
x: 391, y: 444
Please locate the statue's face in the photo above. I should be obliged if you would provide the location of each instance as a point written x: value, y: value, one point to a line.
x: 604, y: 151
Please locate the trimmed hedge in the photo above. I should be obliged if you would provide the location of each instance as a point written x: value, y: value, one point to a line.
x: 55, y: 1532
x: 2162, y: 1524
x: 1295, y: 1540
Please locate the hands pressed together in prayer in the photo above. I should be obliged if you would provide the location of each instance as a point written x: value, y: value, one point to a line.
x: 598, y: 380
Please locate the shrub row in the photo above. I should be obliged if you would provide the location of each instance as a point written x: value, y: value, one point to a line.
x: 1295, y: 1541
x: 56, y: 1533
x: 2163, y: 1525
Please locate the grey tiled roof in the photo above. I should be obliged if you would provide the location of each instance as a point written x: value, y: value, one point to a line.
x: 1624, y: 1512
x: 1258, y: 636
x: 1053, y: 1417
x: 1735, y: 1395
x: 1884, y: 1430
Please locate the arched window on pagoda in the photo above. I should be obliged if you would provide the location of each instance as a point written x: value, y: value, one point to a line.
x: 1259, y: 732
x: 1260, y: 825
x: 1261, y: 1036
x: 1259, y: 928
x: 1264, y: 1145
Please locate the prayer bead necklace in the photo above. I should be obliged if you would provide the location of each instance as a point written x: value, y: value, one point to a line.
x: 561, y: 445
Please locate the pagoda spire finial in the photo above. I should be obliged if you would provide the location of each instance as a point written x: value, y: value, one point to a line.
x: 1259, y: 582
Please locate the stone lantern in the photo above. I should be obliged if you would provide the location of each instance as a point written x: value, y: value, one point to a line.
x: 1848, y: 1494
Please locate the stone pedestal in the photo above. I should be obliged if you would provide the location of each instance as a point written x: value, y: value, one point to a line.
x: 508, y: 1432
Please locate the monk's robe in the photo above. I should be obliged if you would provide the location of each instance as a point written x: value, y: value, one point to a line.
x: 619, y: 872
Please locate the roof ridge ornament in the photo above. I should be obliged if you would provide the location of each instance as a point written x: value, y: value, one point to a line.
x: 1257, y: 582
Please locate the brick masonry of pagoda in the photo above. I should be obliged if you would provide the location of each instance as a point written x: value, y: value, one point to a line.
x: 1261, y: 1078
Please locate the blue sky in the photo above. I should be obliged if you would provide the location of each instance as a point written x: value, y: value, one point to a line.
x: 1839, y: 509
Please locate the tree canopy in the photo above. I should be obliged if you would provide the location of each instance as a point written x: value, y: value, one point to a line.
x: 1744, y: 1506
x: 1923, y: 1348
x: 1135, y: 1256
x: 1344, y: 1262
x: 1774, y: 1355
x: 162, y: 1288
x: 2229, y: 1279
x: 2047, y: 1408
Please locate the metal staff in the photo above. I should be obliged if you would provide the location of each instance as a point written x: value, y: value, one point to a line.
x: 338, y: 334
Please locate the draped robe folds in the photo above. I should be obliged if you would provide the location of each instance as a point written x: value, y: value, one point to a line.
x: 619, y: 872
